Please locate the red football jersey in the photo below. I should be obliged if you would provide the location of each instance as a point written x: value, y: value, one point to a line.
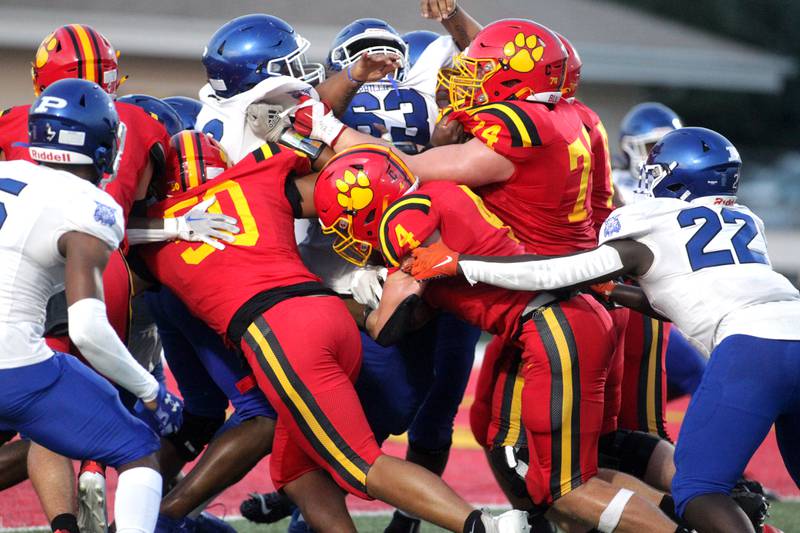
x: 601, y: 185
x: 468, y: 227
x: 14, y: 133
x: 546, y: 200
x: 143, y: 132
x: 213, y: 283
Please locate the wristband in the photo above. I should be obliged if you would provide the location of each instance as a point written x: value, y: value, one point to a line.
x: 351, y: 78
x: 450, y: 15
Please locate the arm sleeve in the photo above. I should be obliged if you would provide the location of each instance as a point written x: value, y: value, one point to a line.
x: 545, y: 274
x: 504, y: 127
x: 95, y: 338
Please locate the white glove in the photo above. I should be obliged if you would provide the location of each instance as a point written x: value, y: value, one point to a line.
x: 366, y: 285
x: 198, y: 225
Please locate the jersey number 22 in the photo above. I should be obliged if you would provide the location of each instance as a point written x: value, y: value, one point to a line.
x: 712, y: 225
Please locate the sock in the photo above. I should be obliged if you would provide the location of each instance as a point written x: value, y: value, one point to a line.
x: 138, y: 499
x: 64, y: 523
x: 473, y: 523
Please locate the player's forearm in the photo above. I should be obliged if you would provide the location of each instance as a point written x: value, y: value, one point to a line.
x: 461, y: 27
x: 95, y: 338
x: 532, y: 274
x: 633, y: 297
x: 350, y: 137
x: 337, y: 91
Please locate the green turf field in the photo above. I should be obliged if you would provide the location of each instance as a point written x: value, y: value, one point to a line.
x: 783, y: 515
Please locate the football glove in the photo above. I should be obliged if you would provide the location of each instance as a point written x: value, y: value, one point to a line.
x: 315, y: 119
x: 434, y: 261
x: 167, y: 417
x: 198, y: 225
x: 603, y: 290
x: 366, y: 285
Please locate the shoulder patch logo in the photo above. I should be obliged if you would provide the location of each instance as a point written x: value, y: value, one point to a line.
x: 104, y: 214
x: 611, y: 226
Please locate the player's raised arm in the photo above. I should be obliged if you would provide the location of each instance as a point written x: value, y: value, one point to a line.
x: 339, y: 89
x: 455, y: 19
x: 535, y: 273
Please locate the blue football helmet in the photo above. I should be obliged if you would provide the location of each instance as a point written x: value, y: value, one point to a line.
x: 252, y: 48
x: 156, y: 108
x: 74, y: 122
x: 373, y: 36
x: 642, y: 127
x: 417, y: 41
x: 691, y: 163
x: 186, y: 108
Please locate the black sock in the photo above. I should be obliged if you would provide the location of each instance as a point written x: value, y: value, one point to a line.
x: 64, y: 523
x: 474, y: 524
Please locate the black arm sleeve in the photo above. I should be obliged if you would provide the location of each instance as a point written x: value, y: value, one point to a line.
x: 401, y: 322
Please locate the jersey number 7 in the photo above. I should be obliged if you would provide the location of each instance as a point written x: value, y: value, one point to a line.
x: 11, y: 187
x: 740, y: 242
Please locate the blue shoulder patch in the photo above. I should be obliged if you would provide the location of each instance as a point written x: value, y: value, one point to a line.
x: 104, y: 214
x: 611, y: 226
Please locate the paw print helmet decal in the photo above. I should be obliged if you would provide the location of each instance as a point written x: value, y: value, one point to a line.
x: 352, y: 193
x: 513, y: 59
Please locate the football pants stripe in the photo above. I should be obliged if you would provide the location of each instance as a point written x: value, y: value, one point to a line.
x: 412, y: 201
x: 564, y: 402
x: 511, y: 433
x: 313, y: 423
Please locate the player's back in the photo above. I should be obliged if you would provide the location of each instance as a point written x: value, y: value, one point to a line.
x: 711, y: 274
x: 37, y: 206
x: 546, y: 200
x: 213, y: 283
x: 14, y: 133
x: 466, y: 226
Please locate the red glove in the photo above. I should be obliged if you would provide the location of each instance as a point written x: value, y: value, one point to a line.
x: 603, y: 289
x: 434, y: 261
x: 314, y: 119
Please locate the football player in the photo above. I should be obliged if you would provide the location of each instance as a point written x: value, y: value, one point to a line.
x: 51, y: 397
x: 682, y: 245
x: 368, y: 209
x: 187, y: 108
x: 257, y: 71
x: 302, y: 347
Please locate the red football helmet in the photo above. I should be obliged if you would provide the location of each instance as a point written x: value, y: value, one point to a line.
x: 509, y: 59
x: 194, y: 159
x: 572, y: 78
x: 352, y: 193
x: 76, y: 51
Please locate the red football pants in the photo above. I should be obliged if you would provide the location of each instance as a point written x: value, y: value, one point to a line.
x: 644, y: 382
x: 306, y: 353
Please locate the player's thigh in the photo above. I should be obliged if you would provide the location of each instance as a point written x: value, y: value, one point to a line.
x: 506, y: 427
x: 729, y: 416
x: 480, y: 412
x: 80, y: 416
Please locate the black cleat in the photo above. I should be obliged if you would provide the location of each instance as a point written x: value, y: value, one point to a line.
x: 754, y: 505
x: 266, y: 508
x: 402, y: 523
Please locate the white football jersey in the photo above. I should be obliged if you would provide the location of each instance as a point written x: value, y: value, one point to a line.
x: 225, y: 118
x: 403, y: 113
x: 711, y: 274
x: 37, y: 206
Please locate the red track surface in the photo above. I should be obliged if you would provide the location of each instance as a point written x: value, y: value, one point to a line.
x: 467, y: 472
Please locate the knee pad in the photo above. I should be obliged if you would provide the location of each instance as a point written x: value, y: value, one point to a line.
x: 512, y: 464
x: 627, y: 451
x: 194, y: 434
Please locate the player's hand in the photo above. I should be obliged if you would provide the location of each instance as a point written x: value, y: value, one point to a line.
x: 198, y: 225
x: 366, y: 285
x: 314, y: 119
x: 434, y: 261
x: 374, y: 67
x: 164, y: 415
x: 437, y: 9
x: 603, y: 290
x: 447, y: 132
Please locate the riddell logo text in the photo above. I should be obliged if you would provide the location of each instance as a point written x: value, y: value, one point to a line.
x: 43, y: 155
x: 724, y: 201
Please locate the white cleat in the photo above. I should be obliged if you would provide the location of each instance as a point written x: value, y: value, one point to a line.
x: 513, y: 521
x: 92, y: 517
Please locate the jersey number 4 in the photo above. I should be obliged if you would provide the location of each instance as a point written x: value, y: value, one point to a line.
x: 11, y: 187
x: 712, y: 225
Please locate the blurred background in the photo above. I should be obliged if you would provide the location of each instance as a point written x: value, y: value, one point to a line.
x: 730, y: 65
